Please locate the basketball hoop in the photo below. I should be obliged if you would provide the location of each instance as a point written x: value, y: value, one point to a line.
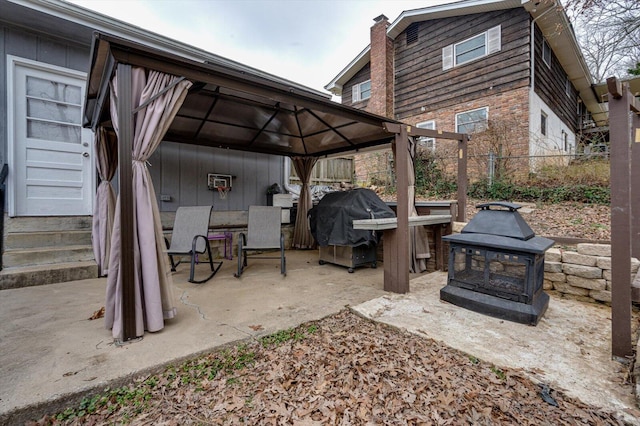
x: 223, y: 191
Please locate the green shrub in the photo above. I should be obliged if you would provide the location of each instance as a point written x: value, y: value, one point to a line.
x: 430, y: 178
x: 501, y: 190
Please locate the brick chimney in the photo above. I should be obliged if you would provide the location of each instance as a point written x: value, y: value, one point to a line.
x: 381, y: 101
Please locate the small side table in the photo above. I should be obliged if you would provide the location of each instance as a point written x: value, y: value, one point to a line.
x: 228, y: 242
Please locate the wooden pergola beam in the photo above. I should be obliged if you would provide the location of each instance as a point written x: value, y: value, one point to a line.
x: 463, y: 140
x: 396, y: 261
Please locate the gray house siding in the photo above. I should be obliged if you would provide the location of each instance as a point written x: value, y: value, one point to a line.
x: 177, y: 170
x: 37, y: 47
x: 180, y: 172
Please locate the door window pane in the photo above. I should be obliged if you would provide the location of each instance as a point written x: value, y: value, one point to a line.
x: 53, y: 131
x: 54, y: 91
x: 54, y: 110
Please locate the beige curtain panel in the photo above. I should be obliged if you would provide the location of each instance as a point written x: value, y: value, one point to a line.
x: 103, y: 210
x: 418, y: 238
x: 302, y: 238
x: 154, y: 300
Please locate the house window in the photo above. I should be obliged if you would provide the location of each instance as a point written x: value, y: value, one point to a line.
x: 472, y: 121
x: 361, y: 91
x: 543, y: 123
x: 412, y: 33
x: 426, y: 142
x: 567, y: 87
x: 472, y: 48
x: 546, y: 53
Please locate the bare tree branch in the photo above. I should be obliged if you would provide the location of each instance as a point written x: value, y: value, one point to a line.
x: 609, y: 34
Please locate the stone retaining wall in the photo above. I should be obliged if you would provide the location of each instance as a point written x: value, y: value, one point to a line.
x: 584, y: 274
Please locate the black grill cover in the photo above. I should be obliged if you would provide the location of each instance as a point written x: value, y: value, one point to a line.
x: 331, y: 221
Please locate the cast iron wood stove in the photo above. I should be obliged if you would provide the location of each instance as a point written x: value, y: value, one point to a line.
x: 496, y: 266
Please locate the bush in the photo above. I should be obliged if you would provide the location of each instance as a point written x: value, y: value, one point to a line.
x: 430, y: 179
x: 501, y: 190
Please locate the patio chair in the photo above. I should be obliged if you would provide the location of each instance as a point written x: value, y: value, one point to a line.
x: 263, y: 234
x: 189, y: 237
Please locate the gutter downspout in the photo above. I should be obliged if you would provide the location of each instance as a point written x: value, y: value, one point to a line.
x: 286, y: 177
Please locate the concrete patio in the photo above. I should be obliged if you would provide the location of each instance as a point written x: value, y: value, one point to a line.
x: 52, y: 354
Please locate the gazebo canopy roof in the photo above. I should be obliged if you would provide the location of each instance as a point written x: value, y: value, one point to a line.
x: 230, y: 107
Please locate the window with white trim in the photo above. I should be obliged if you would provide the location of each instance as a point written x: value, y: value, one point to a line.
x: 472, y: 121
x: 567, y: 86
x: 426, y: 142
x: 543, y: 123
x: 361, y: 91
x: 472, y: 48
x: 546, y: 53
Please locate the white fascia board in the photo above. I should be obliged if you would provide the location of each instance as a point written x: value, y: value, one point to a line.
x: 335, y: 85
x: 460, y: 8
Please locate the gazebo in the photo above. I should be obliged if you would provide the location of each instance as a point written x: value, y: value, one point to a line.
x: 138, y: 96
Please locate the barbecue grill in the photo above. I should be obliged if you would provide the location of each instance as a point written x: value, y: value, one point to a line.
x: 331, y: 223
x: 496, y: 266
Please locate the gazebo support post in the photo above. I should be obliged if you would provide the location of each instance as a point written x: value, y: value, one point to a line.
x: 396, y: 260
x: 125, y: 176
x: 635, y: 186
x: 620, y: 101
x: 399, y: 281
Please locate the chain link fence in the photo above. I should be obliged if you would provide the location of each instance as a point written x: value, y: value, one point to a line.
x: 436, y: 174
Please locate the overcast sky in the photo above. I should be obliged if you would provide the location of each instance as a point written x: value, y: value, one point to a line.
x: 308, y: 42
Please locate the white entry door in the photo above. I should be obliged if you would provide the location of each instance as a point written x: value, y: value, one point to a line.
x: 52, y: 155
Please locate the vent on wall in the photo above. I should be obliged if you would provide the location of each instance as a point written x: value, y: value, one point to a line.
x: 412, y: 33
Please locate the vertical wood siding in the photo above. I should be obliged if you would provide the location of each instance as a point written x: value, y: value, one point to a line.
x: 421, y: 81
x: 363, y: 75
x: 550, y: 86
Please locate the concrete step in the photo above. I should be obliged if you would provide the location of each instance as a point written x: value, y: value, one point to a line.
x: 47, y: 255
x: 27, y: 276
x: 25, y: 240
x: 47, y: 223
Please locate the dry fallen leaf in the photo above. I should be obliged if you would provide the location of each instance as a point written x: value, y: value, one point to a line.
x: 350, y: 371
x: 97, y: 314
